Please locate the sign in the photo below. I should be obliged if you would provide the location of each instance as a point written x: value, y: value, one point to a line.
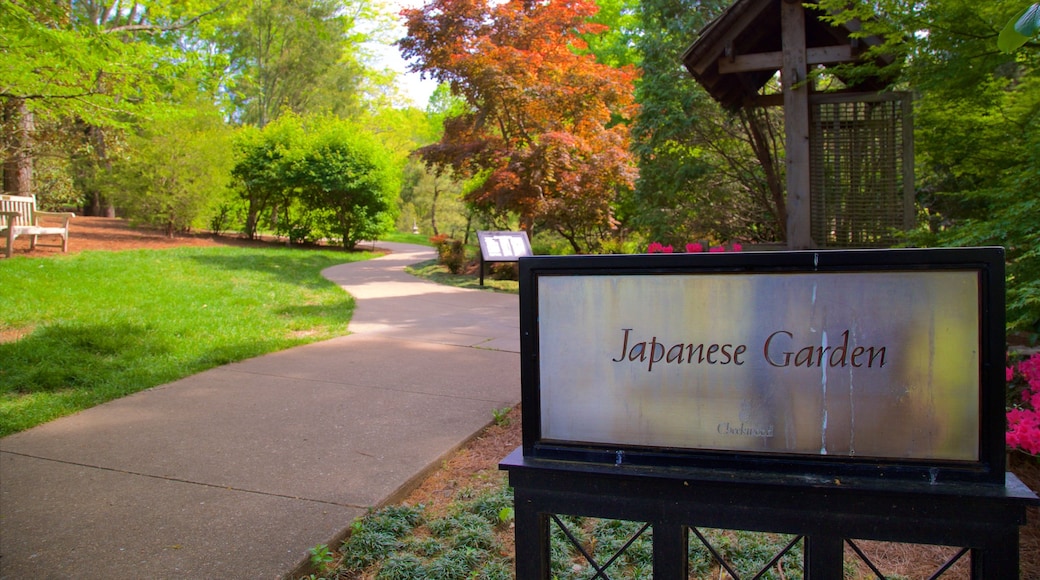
x: 503, y: 246
x: 846, y: 356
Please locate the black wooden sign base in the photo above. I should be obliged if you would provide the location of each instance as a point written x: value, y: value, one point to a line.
x: 982, y: 518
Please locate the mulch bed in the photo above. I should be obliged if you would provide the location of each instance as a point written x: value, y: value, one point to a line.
x: 114, y: 234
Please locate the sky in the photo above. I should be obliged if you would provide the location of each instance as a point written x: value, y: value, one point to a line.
x: 416, y: 89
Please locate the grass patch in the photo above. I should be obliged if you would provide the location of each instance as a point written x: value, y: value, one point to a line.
x: 434, y: 272
x: 407, y: 238
x: 95, y: 326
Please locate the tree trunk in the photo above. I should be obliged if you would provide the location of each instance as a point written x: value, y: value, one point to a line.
x: 19, y: 126
x: 760, y: 144
x: 433, y: 208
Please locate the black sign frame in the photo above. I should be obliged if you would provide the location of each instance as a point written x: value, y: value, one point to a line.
x: 987, y: 262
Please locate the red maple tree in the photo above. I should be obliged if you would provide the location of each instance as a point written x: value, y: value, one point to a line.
x: 545, y: 126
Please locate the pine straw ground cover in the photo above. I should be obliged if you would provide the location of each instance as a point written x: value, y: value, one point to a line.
x: 469, y: 481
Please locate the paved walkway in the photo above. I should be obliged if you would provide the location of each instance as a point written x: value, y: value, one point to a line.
x: 237, y: 471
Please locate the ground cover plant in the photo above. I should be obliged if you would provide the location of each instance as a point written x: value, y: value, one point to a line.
x: 82, y: 329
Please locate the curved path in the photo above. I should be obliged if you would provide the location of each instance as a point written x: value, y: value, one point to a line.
x: 237, y: 471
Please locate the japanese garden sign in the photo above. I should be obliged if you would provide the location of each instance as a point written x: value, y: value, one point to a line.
x: 830, y: 361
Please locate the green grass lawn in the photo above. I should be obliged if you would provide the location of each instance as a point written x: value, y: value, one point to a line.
x: 91, y: 327
x: 431, y: 270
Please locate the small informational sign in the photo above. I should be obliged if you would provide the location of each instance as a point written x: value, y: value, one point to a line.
x: 878, y: 355
x: 503, y: 246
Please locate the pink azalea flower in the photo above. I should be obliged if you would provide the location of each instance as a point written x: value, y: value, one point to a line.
x: 1030, y: 369
x: 694, y: 247
x: 737, y: 247
x: 667, y: 249
x: 716, y: 249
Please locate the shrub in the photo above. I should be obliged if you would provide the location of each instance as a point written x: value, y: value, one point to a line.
x: 450, y: 253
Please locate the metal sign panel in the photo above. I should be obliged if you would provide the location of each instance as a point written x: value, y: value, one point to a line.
x: 877, y: 355
x: 856, y: 364
x: 503, y: 246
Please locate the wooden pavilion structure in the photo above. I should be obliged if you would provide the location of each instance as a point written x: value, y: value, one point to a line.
x: 849, y: 153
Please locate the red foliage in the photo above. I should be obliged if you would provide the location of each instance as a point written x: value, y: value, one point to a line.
x: 545, y: 120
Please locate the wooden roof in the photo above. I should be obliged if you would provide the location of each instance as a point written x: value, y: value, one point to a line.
x: 736, y: 54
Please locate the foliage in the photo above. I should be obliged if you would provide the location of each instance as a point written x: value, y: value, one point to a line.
x: 692, y: 248
x: 319, y: 177
x: 433, y: 200
x: 451, y: 253
x: 101, y: 325
x: 540, y: 127
x: 322, y: 558
x: 83, y: 63
x: 977, y: 132
x: 78, y: 73
x: 261, y: 170
x: 345, y: 183
x: 704, y: 172
x: 501, y: 416
x: 304, y: 56
x: 174, y: 172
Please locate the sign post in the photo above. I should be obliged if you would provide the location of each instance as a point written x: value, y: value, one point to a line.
x: 831, y: 395
x: 502, y: 247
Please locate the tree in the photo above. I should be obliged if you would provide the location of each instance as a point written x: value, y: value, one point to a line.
x: 174, y: 172
x: 542, y: 125
x: 703, y: 172
x: 434, y: 199
x: 263, y: 158
x: 321, y: 176
x: 346, y: 182
x: 283, y: 50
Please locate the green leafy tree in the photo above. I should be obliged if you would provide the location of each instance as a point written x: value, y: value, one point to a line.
x: 316, y: 177
x: 305, y: 56
x: 174, y: 172
x: 346, y: 181
x: 704, y: 172
x: 433, y: 199
x: 77, y: 73
x: 261, y: 176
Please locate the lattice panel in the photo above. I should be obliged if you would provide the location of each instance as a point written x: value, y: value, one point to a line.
x: 861, y: 155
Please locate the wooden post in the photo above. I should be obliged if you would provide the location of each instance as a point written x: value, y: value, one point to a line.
x: 796, y: 125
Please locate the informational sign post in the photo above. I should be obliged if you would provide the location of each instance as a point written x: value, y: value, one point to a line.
x: 847, y: 361
x: 502, y: 247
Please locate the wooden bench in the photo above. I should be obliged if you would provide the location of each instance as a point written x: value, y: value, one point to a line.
x: 19, y: 217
